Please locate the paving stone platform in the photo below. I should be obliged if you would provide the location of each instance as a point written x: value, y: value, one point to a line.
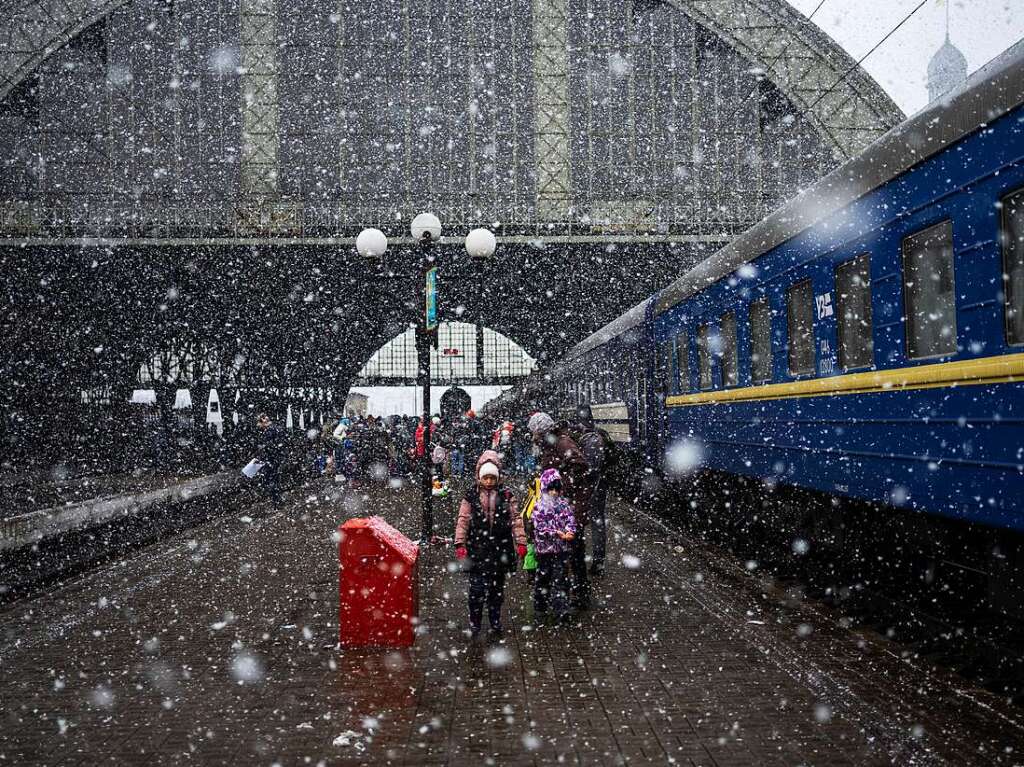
x: 219, y: 647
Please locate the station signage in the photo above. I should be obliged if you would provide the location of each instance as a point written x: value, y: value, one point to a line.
x: 430, y: 290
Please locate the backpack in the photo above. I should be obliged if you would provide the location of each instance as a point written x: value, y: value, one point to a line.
x: 532, y: 496
x: 600, y: 450
x: 529, y: 504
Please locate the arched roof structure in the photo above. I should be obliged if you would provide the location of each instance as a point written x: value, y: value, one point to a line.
x: 567, y: 122
x: 465, y: 354
x: 843, y: 102
x: 847, y: 106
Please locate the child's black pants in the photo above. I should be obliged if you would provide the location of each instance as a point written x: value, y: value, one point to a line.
x: 486, y: 586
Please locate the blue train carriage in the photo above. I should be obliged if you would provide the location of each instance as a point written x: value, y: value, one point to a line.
x: 867, y: 339
x: 609, y: 372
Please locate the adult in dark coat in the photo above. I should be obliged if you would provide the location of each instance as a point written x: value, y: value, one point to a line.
x: 377, y: 449
x: 559, y: 451
x: 477, y: 438
x: 270, y: 449
x: 458, y: 434
x: 599, y: 450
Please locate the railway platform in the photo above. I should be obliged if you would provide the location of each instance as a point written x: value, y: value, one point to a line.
x: 32, y: 491
x: 219, y: 646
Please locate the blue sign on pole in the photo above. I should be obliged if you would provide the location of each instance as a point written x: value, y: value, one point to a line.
x: 431, y: 293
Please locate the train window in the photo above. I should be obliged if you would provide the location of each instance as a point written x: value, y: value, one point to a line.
x: 928, y: 297
x: 760, y: 341
x: 730, y: 364
x: 683, y: 361
x: 853, y: 298
x: 704, y: 356
x: 1013, y: 266
x: 801, y: 328
x: 667, y: 353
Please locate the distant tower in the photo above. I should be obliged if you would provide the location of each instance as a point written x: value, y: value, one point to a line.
x: 948, y: 67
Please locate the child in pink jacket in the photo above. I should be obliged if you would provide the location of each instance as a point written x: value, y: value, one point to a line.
x: 489, y: 535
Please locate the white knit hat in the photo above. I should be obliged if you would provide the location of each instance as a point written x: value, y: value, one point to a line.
x: 488, y: 469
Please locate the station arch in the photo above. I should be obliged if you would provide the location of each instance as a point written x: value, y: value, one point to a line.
x: 454, y: 403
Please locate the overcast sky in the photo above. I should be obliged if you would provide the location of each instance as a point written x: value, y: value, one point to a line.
x: 981, y: 29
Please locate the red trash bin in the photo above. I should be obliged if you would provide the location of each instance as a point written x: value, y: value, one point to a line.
x: 378, y: 585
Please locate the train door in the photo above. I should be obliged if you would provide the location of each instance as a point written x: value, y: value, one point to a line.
x: 664, y: 368
x: 641, y: 406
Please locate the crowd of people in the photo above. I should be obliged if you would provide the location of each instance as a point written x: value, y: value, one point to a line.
x: 361, y: 448
x: 535, y: 495
x: 547, y: 536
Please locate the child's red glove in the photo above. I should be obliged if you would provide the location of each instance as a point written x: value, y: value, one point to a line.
x: 460, y: 552
x: 521, y: 551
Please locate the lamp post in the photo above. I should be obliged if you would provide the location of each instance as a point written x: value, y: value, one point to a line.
x: 426, y: 231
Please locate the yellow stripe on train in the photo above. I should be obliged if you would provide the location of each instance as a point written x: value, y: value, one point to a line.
x: 988, y: 370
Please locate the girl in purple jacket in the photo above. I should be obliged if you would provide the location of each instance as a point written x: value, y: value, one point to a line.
x: 554, y: 527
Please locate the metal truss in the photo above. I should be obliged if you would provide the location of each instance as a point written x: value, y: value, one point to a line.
x: 35, y: 29
x: 182, y: 361
x: 24, y: 223
x: 259, y: 104
x: 551, y: 110
x: 842, y: 103
x: 185, y: 361
x: 849, y: 110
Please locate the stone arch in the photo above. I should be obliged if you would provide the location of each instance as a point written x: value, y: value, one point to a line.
x: 454, y: 403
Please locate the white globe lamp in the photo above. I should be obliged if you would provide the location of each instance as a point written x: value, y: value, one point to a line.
x: 480, y: 243
x: 426, y: 223
x: 371, y: 243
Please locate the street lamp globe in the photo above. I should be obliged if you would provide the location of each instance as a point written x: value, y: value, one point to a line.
x: 480, y: 243
x: 371, y: 243
x: 423, y: 224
